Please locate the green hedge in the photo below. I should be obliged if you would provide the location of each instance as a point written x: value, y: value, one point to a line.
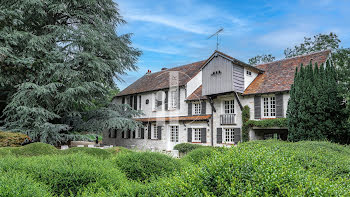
x: 142, y: 166
x: 186, y: 147
x: 11, y: 139
x: 276, y: 122
x: 200, y: 154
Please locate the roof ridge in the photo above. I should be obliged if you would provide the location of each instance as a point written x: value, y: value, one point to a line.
x: 175, y: 67
x: 298, y: 56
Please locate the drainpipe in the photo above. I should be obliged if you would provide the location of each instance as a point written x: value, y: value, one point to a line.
x: 212, y: 121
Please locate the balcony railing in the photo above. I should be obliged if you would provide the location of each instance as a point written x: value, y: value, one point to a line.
x: 227, y: 119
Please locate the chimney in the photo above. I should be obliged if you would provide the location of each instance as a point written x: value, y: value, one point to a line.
x: 164, y: 68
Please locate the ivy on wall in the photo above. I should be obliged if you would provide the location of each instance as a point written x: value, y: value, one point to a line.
x: 245, y: 119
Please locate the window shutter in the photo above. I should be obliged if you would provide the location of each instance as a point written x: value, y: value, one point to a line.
x: 135, y: 102
x: 159, y: 132
x: 128, y: 134
x: 219, y: 135
x: 257, y: 107
x: 123, y: 134
x: 134, y: 134
x: 237, y: 137
x: 178, y: 98
x: 203, y: 108
x: 189, y: 134
x: 140, y: 102
x: 110, y: 133
x: 123, y: 100
x: 142, y: 133
x: 279, y: 105
x: 203, y: 135
x: 130, y: 101
x: 149, y: 131
x: 166, y: 102
x: 189, y: 109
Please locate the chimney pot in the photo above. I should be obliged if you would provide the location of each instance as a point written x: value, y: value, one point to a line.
x: 164, y: 68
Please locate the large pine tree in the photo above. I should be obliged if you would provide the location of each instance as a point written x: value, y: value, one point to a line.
x: 58, y: 58
x: 316, y: 107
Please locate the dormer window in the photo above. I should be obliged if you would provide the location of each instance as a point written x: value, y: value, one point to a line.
x: 197, y: 108
x: 249, y: 73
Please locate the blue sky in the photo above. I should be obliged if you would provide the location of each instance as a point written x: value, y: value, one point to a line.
x: 174, y: 32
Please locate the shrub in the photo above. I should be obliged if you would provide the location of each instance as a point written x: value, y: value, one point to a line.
x: 141, y: 166
x: 269, y: 168
x: 66, y: 174
x: 118, y: 149
x: 14, y: 183
x: 186, y: 147
x: 90, y: 151
x: 12, y: 139
x: 276, y: 122
x: 35, y: 149
x: 245, y: 127
x: 199, y: 154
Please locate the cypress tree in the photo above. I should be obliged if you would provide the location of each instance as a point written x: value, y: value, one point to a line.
x: 315, y: 109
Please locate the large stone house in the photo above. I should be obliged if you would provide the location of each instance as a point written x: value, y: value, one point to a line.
x: 202, y: 102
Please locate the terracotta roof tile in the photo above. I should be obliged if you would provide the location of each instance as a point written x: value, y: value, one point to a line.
x: 160, y: 80
x: 196, y: 95
x: 182, y: 118
x: 279, y: 75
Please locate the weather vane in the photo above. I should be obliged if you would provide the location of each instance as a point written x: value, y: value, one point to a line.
x: 217, y: 37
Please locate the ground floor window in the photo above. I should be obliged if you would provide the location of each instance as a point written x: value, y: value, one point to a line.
x: 174, y: 133
x: 196, y: 135
x: 155, y: 132
x: 138, y: 133
x: 229, y: 135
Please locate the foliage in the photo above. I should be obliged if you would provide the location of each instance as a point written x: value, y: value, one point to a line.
x: 61, y: 65
x: 89, y: 151
x: 34, y: 149
x: 144, y: 166
x: 12, y: 139
x: 316, y: 108
x: 319, y: 42
x: 199, y: 154
x: 66, y: 174
x: 15, y: 183
x: 276, y: 122
x: 269, y: 168
x: 261, y: 59
x: 187, y: 147
x: 245, y: 127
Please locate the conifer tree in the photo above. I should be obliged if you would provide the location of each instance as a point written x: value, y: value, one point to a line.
x: 316, y: 108
x: 58, y: 58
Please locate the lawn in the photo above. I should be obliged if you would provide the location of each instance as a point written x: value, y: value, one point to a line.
x: 259, y: 168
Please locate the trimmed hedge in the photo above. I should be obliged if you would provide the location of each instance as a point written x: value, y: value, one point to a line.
x: 90, y: 151
x: 186, y: 147
x: 11, y: 139
x: 142, y: 166
x: 34, y: 149
x: 200, y: 154
x: 276, y: 122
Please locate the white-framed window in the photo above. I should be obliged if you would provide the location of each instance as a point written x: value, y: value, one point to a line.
x: 174, y: 133
x: 249, y: 73
x: 197, y: 108
x: 154, y: 132
x: 269, y: 106
x: 229, y: 106
x: 196, y: 135
x: 229, y: 135
x: 173, y: 99
x: 138, y: 133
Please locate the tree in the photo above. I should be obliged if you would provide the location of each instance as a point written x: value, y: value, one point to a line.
x: 260, y: 59
x: 318, y: 43
x: 58, y: 58
x: 316, y: 108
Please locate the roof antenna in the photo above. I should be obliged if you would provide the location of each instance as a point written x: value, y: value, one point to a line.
x: 217, y: 37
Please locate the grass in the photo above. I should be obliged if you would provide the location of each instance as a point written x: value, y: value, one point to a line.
x: 258, y: 168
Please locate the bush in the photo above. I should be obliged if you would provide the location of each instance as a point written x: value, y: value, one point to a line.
x: 269, y: 168
x: 12, y: 139
x: 35, y: 149
x: 186, y: 147
x: 118, y: 149
x: 14, y: 183
x: 141, y: 166
x: 199, y: 154
x: 90, y: 151
x: 277, y: 122
x: 67, y: 174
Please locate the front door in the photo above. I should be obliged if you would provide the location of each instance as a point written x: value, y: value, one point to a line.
x: 173, y: 139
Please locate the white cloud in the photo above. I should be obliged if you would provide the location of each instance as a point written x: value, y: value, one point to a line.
x: 283, y: 38
x: 164, y: 50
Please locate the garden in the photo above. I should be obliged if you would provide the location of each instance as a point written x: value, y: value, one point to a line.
x: 257, y: 168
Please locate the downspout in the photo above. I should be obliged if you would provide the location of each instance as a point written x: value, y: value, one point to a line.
x: 212, y: 121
